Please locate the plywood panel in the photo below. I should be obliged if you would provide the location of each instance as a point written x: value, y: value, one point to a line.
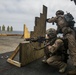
x: 27, y: 53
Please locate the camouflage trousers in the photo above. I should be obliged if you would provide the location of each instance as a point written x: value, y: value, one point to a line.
x: 55, y: 61
x: 71, y: 43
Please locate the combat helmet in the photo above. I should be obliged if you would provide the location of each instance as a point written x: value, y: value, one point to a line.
x: 51, y: 32
x: 59, y: 12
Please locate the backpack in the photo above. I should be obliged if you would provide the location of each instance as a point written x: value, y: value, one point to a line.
x: 69, y: 19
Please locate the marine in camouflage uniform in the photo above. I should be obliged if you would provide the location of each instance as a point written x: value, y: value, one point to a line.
x: 68, y: 33
x: 54, y: 50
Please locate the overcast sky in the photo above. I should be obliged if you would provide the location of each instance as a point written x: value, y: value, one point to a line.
x: 16, y: 13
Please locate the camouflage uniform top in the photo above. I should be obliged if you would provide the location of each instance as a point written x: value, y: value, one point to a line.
x: 56, y: 47
x: 59, y: 20
x: 56, y: 44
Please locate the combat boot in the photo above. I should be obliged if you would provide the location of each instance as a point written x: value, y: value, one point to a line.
x: 72, y: 72
x: 63, y: 68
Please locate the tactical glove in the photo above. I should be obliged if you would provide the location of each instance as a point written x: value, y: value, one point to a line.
x: 47, y: 20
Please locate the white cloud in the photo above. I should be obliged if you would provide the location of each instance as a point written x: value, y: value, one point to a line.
x: 18, y: 12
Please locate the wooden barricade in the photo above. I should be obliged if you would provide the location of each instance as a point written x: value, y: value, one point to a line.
x: 25, y: 49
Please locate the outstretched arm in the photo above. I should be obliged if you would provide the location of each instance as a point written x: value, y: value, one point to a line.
x: 51, y: 20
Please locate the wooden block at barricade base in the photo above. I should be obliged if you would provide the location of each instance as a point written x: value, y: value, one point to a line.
x: 13, y: 62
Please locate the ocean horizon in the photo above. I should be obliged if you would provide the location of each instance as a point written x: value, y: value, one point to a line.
x: 11, y: 32
x: 20, y: 32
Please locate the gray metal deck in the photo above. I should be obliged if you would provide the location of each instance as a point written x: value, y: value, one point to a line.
x: 34, y: 68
